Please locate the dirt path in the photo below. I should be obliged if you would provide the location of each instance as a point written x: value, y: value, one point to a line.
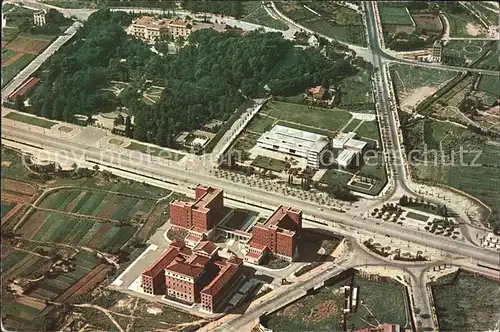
x: 105, y: 311
x: 131, y: 323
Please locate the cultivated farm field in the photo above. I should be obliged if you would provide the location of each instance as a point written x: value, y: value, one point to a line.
x: 44, y: 226
x: 99, y: 204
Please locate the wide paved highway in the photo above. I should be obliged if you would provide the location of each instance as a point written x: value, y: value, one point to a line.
x: 132, y: 162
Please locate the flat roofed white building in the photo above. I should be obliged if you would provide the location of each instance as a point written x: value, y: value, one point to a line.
x: 295, y: 142
x: 346, y: 157
x: 355, y: 145
x: 338, y: 143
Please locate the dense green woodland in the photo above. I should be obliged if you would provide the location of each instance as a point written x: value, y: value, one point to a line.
x: 209, y: 78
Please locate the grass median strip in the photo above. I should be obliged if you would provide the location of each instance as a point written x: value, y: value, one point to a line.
x: 31, y: 120
x: 154, y: 151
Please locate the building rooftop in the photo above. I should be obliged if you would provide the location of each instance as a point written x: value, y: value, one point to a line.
x: 257, y: 246
x: 150, y: 22
x: 180, y: 23
x: 292, y: 138
x: 206, y: 247
x: 161, y: 263
x: 281, y: 218
x: 222, y: 278
x: 205, y: 199
x: 21, y: 91
x: 316, y: 89
x: 345, y: 157
x: 189, y: 270
x: 338, y: 143
x: 355, y: 144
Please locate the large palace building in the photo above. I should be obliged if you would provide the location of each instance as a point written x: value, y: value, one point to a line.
x: 197, y: 275
x: 279, y: 234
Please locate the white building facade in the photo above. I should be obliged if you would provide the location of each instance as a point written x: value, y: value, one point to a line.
x: 307, y: 145
x: 39, y: 18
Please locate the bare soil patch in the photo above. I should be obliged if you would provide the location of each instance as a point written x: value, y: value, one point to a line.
x: 31, y: 226
x: 108, y: 211
x: 18, y: 187
x: 65, y: 129
x: 291, y: 310
x: 322, y: 311
x: 6, y: 163
x: 410, y: 101
x: 473, y: 30
x: 31, y: 303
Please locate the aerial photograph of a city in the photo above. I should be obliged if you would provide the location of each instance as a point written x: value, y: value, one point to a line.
x: 245, y: 166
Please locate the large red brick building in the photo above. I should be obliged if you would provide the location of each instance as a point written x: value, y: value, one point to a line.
x: 278, y: 234
x: 194, y: 275
x: 202, y: 215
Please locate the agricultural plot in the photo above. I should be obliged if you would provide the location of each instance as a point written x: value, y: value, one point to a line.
x: 9, y: 71
x: 31, y: 120
x: 261, y: 17
x: 99, y: 204
x: 394, y: 15
x: 20, y: 51
x: 465, y: 25
x: 22, y: 264
x: 44, y: 226
x: 8, y: 34
x: 306, y: 116
x: 322, y: 311
x: 477, y: 307
x: 328, y: 18
x: 427, y: 22
x: 490, y: 61
x: 51, y: 289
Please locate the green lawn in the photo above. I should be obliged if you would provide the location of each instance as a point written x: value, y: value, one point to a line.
x: 353, y: 124
x: 321, y: 118
x: 369, y: 129
x: 272, y: 164
x: 475, y: 309
x: 336, y: 177
x: 260, y: 124
x: 9, y: 72
x: 31, y: 120
x: 396, y: 15
x: 154, y: 151
x: 417, y: 216
x: 353, y: 34
x: 490, y: 85
x: 261, y: 17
